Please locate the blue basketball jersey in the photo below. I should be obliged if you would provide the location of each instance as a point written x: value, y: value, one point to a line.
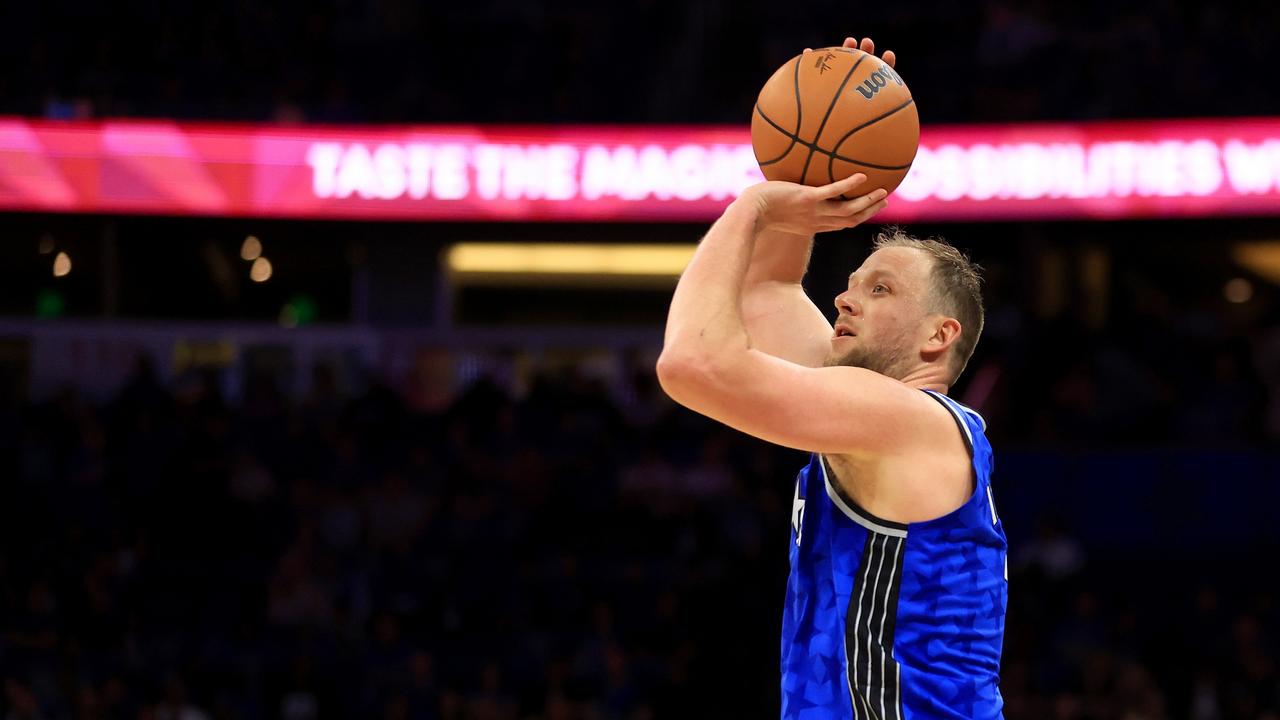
x: 890, y: 620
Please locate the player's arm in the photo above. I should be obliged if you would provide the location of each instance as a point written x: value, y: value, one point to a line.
x: 780, y: 318
x: 710, y: 365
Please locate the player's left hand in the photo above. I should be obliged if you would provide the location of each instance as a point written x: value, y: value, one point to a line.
x: 868, y: 46
x: 802, y: 210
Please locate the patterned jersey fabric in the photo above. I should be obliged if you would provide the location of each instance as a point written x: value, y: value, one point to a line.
x: 889, y: 620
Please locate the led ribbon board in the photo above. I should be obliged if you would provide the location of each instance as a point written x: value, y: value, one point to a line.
x: 1183, y: 168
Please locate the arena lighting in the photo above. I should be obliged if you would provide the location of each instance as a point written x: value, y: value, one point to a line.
x: 260, y: 271
x: 558, y: 262
x: 62, y: 265
x: 50, y: 304
x: 1237, y: 290
x: 251, y: 248
x: 1262, y: 258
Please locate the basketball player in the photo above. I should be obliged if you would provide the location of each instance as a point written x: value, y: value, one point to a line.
x: 896, y: 598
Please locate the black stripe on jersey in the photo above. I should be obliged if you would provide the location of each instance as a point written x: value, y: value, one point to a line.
x: 869, y: 630
x: 854, y: 640
x: 892, y: 672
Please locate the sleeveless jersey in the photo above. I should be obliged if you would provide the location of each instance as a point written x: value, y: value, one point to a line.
x: 887, y: 620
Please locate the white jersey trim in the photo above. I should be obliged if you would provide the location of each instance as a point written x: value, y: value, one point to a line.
x: 958, y: 411
x: 852, y: 514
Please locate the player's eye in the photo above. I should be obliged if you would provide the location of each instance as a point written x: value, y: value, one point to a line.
x: 879, y: 288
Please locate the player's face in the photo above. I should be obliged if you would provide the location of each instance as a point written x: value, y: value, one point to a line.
x: 881, y: 312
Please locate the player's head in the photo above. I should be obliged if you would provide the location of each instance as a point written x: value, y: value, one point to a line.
x: 914, y: 303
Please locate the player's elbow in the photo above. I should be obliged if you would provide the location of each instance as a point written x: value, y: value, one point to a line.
x: 673, y: 368
x: 680, y: 372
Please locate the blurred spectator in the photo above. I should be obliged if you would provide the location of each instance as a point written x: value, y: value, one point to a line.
x: 546, y: 555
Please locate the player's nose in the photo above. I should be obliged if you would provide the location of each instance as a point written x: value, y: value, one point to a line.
x: 846, y: 305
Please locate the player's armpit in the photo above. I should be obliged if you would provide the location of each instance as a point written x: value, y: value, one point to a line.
x: 783, y: 322
x: 835, y: 410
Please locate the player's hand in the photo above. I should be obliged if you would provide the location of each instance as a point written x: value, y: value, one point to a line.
x: 802, y: 210
x: 868, y: 46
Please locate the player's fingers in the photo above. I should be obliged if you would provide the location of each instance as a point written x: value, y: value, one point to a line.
x: 868, y: 46
x: 808, y: 50
x: 860, y: 217
x: 850, y: 42
x: 855, y: 205
x: 890, y: 58
x: 841, y: 187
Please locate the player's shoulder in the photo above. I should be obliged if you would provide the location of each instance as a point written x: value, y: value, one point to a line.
x: 961, y: 412
x: 931, y: 423
x: 927, y: 418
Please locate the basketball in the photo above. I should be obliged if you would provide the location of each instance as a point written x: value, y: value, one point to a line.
x: 833, y: 112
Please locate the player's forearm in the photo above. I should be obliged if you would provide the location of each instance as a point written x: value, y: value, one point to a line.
x: 779, y: 317
x: 705, y: 319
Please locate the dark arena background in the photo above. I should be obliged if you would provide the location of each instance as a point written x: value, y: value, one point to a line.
x: 327, y: 336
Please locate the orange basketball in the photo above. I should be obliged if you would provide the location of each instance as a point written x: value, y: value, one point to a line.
x: 832, y: 112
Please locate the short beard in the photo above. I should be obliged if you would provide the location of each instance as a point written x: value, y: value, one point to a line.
x: 886, y: 362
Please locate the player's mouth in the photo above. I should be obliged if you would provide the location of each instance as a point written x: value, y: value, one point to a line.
x: 842, y: 331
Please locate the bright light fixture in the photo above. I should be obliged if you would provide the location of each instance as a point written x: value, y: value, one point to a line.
x: 1262, y: 258
x: 62, y: 265
x: 260, y: 271
x: 251, y: 248
x: 568, y: 263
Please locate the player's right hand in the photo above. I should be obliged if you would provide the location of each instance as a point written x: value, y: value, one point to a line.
x: 802, y: 210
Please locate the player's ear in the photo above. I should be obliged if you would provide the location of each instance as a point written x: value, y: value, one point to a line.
x: 946, y: 330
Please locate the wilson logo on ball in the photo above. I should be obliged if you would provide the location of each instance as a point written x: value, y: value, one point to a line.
x: 877, y: 80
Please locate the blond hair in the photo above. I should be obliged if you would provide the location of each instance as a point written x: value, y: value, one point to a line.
x: 956, y: 289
